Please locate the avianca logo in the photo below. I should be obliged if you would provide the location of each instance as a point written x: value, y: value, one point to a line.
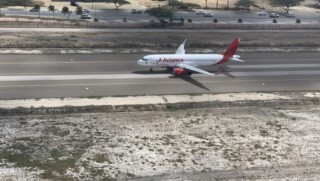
x: 170, y: 60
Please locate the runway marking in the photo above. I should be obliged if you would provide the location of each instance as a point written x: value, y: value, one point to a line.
x: 275, y: 60
x: 275, y: 66
x: 141, y: 83
x: 146, y: 76
x: 66, y: 62
x: 135, y: 60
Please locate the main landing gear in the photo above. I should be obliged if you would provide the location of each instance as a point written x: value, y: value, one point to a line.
x: 169, y: 69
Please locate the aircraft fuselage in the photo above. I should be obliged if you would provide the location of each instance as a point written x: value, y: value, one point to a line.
x: 171, y: 60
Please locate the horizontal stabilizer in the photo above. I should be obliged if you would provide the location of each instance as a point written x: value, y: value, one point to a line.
x: 235, y: 59
x: 192, y: 68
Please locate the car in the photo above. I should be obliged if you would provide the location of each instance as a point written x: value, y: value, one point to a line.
x: 290, y: 15
x: 136, y: 11
x: 262, y: 13
x: 74, y: 3
x: 85, y: 11
x: 164, y: 21
x: 200, y: 12
x: 85, y: 16
x: 274, y: 15
x: 317, y: 5
x: 208, y: 15
x: 34, y: 10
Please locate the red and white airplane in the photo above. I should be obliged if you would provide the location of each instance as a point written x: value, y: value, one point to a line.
x: 180, y: 62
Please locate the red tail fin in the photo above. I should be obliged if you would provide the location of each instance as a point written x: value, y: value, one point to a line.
x: 232, y: 48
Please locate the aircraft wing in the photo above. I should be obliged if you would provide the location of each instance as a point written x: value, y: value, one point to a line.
x: 181, y: 48
x: 189, y: 67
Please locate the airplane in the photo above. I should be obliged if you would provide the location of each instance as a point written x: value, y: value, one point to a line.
x: 182, y: 63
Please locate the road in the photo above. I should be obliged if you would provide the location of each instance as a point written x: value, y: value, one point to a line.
x: 223, y: 16
x: 74, y: 75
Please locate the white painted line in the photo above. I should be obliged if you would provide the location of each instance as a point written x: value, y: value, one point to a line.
x: 145, y: 76
x: 80, y: 77
x: 64, y: 62
x: 121, y: 21
x: 275, y: 66
x: 150, y: 83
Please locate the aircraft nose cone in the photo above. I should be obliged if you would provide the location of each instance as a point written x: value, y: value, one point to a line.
x: 140, y: 62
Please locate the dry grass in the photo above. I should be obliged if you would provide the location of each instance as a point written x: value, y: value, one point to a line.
x: 101, y: 146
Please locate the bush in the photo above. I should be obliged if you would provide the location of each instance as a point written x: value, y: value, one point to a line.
x: 40, y: 3
x: 37, y: 6
x: 298, y: 20
x: 79, y: 10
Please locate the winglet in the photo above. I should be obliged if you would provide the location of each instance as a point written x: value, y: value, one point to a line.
x: 181, y: 49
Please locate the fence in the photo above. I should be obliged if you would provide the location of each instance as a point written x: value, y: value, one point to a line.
x: 38, y: 23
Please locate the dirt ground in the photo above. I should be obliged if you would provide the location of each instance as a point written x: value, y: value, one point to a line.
x: 150, y: 3
x: 259, y: 143
x: 171, y: 40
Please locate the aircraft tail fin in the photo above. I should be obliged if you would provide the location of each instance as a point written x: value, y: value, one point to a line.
x: 232, y: 48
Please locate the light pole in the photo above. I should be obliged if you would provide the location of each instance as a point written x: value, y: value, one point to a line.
x: 95, y: 15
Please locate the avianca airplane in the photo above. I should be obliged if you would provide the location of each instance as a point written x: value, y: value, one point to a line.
x: 180, y: 62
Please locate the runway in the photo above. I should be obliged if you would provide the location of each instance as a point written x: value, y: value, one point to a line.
x: 94, y: 75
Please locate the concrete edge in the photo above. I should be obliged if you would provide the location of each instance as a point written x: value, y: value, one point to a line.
x: 154, y: 103
x: 26, y: 51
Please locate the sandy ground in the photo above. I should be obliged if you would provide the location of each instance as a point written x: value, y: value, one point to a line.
x: 253, y: 143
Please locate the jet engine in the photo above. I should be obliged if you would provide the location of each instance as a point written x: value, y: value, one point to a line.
x: 177, y: 71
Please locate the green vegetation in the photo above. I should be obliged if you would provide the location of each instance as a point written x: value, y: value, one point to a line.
x: 257, y: 146
x: 245, y: 4
x: 160, y: 13
x: 181, y: 5
x: 264, y: 133
x: 285, y: 4
x: 52, y: 9
x: 65, y: 10
x: 17, y: 3
x: 24, y: 160
x: 79, y: 10
x: 101, y: 158
x: 230, y: 133
x: 36, y: 6
x: 20, y: 160
x: 118, y: 3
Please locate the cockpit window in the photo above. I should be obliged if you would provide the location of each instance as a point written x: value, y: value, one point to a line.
x: 144, y: 59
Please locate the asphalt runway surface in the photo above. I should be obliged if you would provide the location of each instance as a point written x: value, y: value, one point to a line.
x: 95, y: 75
